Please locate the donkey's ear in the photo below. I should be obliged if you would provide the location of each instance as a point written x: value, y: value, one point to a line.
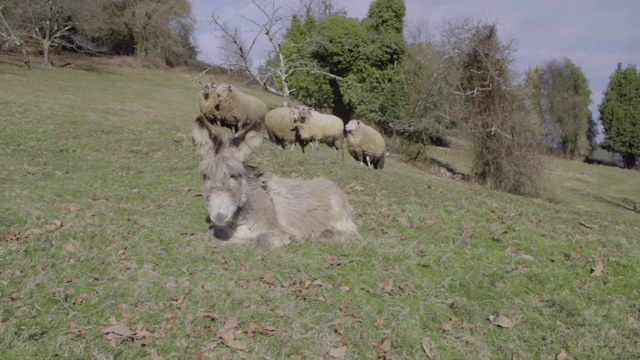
x: 204, y: 139
x: 247, y: 140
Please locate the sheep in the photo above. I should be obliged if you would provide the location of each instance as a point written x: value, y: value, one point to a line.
x: 279, y: 123
x: 365, y: 143
x: 237, y: 109
x: 208, y: 101
x: 315, y: 127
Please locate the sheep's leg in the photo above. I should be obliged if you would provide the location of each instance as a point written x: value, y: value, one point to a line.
x: 369, y: 162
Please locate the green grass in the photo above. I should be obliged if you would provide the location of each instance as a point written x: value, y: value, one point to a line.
x: 100, y: 223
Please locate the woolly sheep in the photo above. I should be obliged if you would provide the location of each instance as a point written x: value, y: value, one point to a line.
x: 208, y: 101
x: 316, y: 127
x: 279, y: 123
x: 365, y: 144
x: 237, y: 109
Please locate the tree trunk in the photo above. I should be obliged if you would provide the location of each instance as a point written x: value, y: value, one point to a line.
x: 45, y: 51
x: 25, y: 55
x: 629, y: 160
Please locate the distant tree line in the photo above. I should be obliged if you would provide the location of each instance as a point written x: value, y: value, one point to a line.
x: 422, y: 83
x: 148, y: 28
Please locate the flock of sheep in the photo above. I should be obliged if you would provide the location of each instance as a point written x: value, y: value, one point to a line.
x: 226, y: 106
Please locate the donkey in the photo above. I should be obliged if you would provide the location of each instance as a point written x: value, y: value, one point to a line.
x: 246, y: 206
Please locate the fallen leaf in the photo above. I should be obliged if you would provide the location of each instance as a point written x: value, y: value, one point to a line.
x: 228, y: 338
x: 338, y: 353
x: 230, y: 322
x: 450, y: 325
x: 387, y: 286
x: 598, y: 268
x: 564, y: 355
x: 120, y: 329
x: 55, y: 225
x: 496, y: 235
x: 118, y: 333
x: 81, y: 299
x: 501, y: 321
x: 171, y: 284
x: 379, y: 323
x: 383, y: 346
x: 427, y: 346
x: 68, y: 207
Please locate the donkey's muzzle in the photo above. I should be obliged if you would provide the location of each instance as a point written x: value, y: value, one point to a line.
x: 220, y: 219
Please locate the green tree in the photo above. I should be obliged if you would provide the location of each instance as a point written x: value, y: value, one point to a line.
x: 620, y: 114
x: 366, y: 58
x: 563, y: 97
x: 311, y: 87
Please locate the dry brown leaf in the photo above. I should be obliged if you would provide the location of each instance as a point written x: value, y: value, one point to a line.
x: 496, y: 235
x: 81, y: 299
x: 501, y: 321
x: 451, y: 324
x: 197, y: 355
x: 427, y: 346
x: 171, y: 284
x: 68, y: 207
x: 387, y: 286
x: 598, y: 268
x: 119, y: 329
x: 338, y: 353
x: 383, y: 346
x: 564, y: 355
x: 118, y: 333
x: 279, y: 313
x: 228, y: 338
x: 379, y: 323
x: 230, y: 322
x: 55, y: 225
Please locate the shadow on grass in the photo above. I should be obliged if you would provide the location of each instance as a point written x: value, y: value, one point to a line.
x: 624, y: 203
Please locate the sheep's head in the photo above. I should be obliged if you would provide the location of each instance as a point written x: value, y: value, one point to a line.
x: 224, y: 173
x: 207, y: 88
x: 303, y: 111
x: 224, y: 91
x: 351, y: 126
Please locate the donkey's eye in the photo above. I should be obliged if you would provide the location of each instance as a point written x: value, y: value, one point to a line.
x: 236, y: 176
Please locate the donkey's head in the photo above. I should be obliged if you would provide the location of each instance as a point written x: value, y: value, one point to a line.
x: 225, y: 187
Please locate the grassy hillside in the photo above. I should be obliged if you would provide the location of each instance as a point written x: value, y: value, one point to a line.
x: 104, y: 250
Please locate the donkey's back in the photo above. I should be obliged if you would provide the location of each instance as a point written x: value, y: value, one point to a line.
x: 311, y: 208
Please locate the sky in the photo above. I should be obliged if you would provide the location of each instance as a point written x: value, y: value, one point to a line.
x: 596, y: 35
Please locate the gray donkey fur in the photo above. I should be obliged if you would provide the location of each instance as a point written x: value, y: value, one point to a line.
x: 246, y: 206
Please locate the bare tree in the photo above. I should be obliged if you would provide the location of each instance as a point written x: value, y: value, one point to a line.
x: 57, y: 23
x: 15, y: 36
x: 266, y: 32
x: 319, y: 9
